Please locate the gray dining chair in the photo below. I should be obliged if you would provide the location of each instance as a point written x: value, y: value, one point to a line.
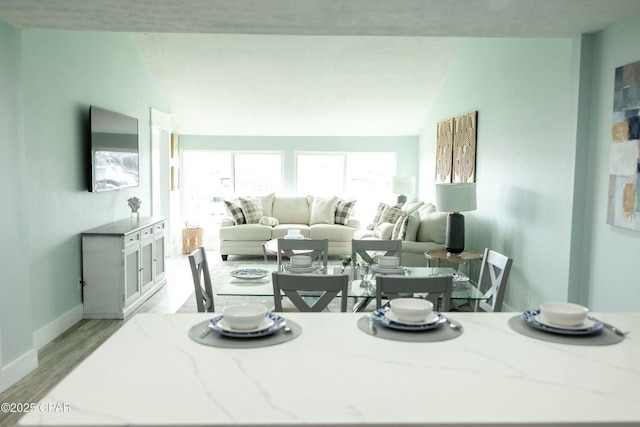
x: 201, y: 280
x: 383, y: 247
x: 494, y: 274
x: 317, y: 249
x: 298, y: 287
x: 437, y: 288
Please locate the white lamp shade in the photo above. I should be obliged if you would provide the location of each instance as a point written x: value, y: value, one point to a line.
x: 403, y: 185
x: 456, y: 197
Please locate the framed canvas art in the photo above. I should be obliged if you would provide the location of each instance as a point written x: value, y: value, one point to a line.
x: 623, y: 208
x: 464, y: 147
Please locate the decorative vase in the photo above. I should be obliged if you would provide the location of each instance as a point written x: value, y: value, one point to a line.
x: 135, y: 215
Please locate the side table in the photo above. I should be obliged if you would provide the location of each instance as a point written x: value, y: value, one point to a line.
x: 465, y: 257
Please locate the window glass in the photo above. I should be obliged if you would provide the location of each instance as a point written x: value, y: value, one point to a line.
x: 257, y: 173
x: 320, y: 175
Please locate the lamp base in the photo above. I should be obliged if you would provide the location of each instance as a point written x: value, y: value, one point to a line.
x: 454, y: 239
x: 402, y: 199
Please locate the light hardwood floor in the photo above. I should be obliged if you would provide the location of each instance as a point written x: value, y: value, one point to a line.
x: 59, y: 357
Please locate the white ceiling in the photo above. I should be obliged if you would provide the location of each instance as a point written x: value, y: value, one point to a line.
x: 309, y: 67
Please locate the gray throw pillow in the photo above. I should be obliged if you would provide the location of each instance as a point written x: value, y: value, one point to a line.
x: 252, y: 209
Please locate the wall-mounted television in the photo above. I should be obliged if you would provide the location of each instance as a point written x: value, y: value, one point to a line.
x: 115, y: 158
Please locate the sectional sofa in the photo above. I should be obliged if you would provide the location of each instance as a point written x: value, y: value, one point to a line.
x: 316, y: 218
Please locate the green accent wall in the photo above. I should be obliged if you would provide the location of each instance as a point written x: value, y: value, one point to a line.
x: 15, y: 290
x: 524, y: 92
x: 52, y: 78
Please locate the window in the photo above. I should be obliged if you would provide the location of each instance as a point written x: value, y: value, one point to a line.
x: 365, y: 177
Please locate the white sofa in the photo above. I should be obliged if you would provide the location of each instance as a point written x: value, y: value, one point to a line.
x: 290, y: 212
x: 425, y: 230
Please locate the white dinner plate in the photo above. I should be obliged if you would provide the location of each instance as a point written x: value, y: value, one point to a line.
x: 587, y: 324
x: 265, y: 324
x: 433, y: 317
x: 381, y: 317
x: 249, y: 273
x: 532, y: 319
x: 273, y: 323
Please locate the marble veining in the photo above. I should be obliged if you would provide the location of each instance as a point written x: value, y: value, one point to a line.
x: 150, y: 373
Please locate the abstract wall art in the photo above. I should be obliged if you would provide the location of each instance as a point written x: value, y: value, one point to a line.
x: 444, y: 151
x: 624, y: 165
x: 456, y: 149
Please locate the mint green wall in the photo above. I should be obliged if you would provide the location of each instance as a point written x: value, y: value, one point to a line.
x: 63, y: 73
x: 524, y: 92
x: 613, y: 281
x: 405, y: 147
x: 15, y: 292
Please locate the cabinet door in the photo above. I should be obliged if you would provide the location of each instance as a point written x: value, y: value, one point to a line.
x: 160, y: 272
x: 131, y: 275
x: 147, y: 260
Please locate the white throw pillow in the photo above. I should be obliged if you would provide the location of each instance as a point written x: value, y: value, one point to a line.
x: 323, y: 211
x: 269, y: 220
x: 252, y: 209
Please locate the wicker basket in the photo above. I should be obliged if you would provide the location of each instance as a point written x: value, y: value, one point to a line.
x: 191, y: 239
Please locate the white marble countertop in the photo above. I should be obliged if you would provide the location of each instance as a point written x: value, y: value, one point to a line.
x: 150, y: 373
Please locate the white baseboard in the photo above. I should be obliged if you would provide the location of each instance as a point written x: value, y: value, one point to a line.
x: 18, y: 369
x: 50, y: 331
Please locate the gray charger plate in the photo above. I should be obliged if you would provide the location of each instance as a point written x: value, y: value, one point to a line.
x: 442, y: 333
x: 214, y: 339
x: 603, y: 337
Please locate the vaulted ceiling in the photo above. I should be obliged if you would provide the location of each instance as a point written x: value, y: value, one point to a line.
x: 309, y: 67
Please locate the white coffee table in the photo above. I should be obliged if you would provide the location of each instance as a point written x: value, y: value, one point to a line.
x: 271, y: 248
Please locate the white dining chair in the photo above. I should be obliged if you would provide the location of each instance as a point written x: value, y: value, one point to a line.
x: 297, y: 287
x: 201, y: 280
x: 438, y: 289
x: 317, y: 249
x: 494, y: 274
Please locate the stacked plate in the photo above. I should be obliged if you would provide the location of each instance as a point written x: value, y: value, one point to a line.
x: 537, y: 320
x: 387, y: 319
x: 381, y: 269
x: 271, y: 324
x: 313, y: 268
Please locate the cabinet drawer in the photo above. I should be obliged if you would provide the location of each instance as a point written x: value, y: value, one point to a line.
x: 131, y: 239
x: 160, y: 227
x: 146, y: 232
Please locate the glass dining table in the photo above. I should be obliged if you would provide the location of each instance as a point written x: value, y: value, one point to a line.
x: 464, y: 290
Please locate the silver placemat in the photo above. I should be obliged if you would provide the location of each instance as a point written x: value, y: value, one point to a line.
x: 214, y: 339
x: 443, y: 333
x: 603, y: 337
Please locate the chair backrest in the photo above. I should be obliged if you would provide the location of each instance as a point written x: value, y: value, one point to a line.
x: 317, y: 249
x: 326, y: 288
x: 384, y: 247
x: 494, y: 274
x: 437, y: 288
x: 201, y: 280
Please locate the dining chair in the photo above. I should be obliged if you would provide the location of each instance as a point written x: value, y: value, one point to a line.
x: 381, y: 247
x: 494, y: 273
x: 437, y: 288
x: 295, y: 286
x: 317, y: 249
x: 201, y: 280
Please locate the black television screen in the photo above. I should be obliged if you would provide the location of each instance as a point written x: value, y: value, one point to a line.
x: 114, y: 150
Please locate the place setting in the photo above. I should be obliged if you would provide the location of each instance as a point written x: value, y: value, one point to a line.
x: 388, y: 265
x: 245, y: 326
x: 410, y: 319
x: 301, y: 264
x: 565, y: 323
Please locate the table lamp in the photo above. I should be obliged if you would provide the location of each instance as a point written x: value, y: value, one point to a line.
x: 403, y: 185
x: 455, y: 198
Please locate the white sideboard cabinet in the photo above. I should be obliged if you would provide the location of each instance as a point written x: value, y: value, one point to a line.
x: 123, y: 264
